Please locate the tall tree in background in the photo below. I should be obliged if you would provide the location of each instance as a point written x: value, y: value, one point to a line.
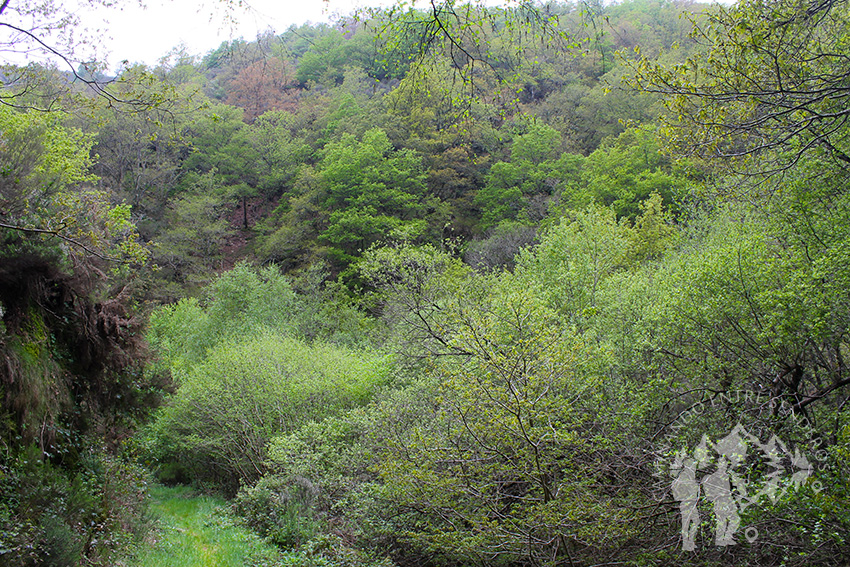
x: 262, y: 86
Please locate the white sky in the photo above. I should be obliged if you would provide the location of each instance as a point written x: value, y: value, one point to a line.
x: 144, y: 35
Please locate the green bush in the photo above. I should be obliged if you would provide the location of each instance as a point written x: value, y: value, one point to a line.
x: 218, y: 424
x: 242, y: 302
x: 57, y: 517
x: 280, y: 509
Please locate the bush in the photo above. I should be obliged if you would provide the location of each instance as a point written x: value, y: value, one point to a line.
x: 57, y: 517
x: 279, y: 509
x: 242, y: 302
x: 218, y: 424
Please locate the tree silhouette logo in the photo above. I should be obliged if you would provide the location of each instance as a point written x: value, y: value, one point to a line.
x: 713, y: 471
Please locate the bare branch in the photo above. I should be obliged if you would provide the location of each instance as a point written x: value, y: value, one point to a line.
x: 67, y: 239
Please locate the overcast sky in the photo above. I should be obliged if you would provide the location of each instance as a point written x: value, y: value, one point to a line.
x: 146, y: 35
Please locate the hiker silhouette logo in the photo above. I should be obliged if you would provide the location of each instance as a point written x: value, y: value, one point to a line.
x: 713, y: 472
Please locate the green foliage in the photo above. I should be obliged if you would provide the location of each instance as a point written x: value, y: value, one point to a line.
x: 241, y: 303
x: 500, y: 247
x: 625, y: 171
x: 57, y: 517
x: 574, y: 259
x: 279, y: 510
x: 330, y: 454
x: 503, y: 467
x: 812, y: 519
x: 220, y: 142
x: 39, y: 152
x: 753, y: 308
x: 608, y: 287
x: 218, y: 424
x: 138, y: 155
x: 71, y: 379
x: 653, y: 232
x: 732, y: 107
x: 190, y: 246
x: 245, y: 302
x: 245, y: 378
x: 327, y: 311
x: 370, y: 172
x: 540, y: 143
x: 522, y: 190
x: 42, y: 201
x: 414, y: 286
x: 178, y: 334
x: 371, y: 191
x: 277, y: 141
x: 502, y: 198
x: 324, y: 61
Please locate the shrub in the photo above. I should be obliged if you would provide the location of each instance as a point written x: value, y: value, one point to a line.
x: 218, y: 424
x: 280, y: 509
x: 52, y: 516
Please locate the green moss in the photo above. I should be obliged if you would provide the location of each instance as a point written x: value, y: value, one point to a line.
x: 36, y: 388
x: 33, y: 338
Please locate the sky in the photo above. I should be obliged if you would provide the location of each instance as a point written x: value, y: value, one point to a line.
x: 144, y: 35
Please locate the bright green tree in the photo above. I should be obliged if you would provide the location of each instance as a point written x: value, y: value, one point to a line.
x: 218, y: 425
x: 624, y: 171
x: 372, y: 191
x: 538, y: 173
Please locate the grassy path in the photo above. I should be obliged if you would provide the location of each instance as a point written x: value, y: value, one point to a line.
x: 192, y: 533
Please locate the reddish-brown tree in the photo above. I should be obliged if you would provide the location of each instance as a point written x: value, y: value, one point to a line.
x: 264, y: 85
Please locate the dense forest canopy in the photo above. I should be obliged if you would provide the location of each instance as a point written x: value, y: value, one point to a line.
x: 540, y: 284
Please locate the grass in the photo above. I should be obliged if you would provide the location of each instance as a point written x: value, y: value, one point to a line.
x: 192, y: 531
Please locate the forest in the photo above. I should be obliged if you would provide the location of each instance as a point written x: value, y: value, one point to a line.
x: 442, y: 284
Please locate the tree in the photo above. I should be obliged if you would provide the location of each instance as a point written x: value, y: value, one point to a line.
x: 57, y: 230
x: 540, y: 143
x: 769, y: 85
x: 624, y: 171
x: 190, y: 245
x: 336, y: 51
x: 371, y: 191
x: 71, y: 381
x: 262, y: 86
x: 522, y: 189
x: 506, y: 467
x: 44, y: 198
x: 463, y: 34
x: 278, y: 140
x: 40, y: 29
x: 139, y: 155
x: 242, y: 394
x: 455, y: 175
x: 246, y: 377
x: 221, y: 146
x: 416, y: 288
x: 574, y: 258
